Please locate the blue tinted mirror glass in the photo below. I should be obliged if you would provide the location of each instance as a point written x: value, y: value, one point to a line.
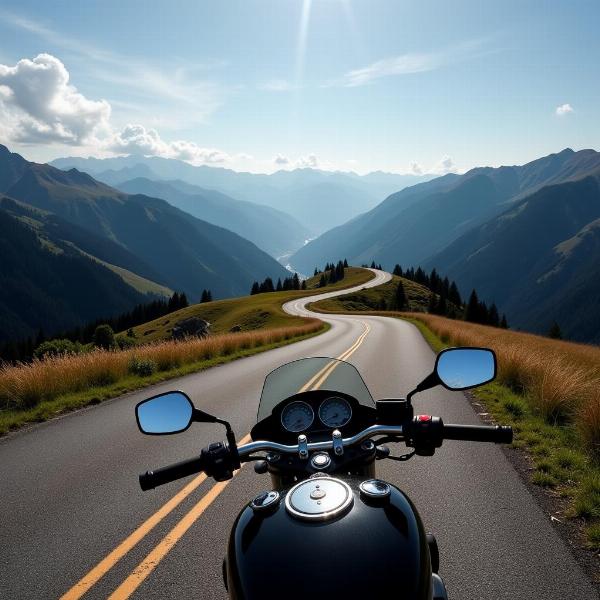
x: 462, y: 368
x: 168, y: 413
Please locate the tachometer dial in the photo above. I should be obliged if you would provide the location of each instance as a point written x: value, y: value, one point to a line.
x: 335, y: 412
x: 297, y: 416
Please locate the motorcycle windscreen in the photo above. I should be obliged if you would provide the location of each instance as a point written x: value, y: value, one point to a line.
x: 309, y: 374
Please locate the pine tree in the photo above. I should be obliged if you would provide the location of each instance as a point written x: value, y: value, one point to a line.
x: 373, y: 266
x: 345, y: 264
x: 554, y: 332
x: 441, y: 306
x: 399, y: 302
x: 255, y: 289
x: 296, y: 281
x: 303, y: 286
x: 322, y: 281
x: 472, y: 308
x: 183, y: 301
x: 493, y: 316
x: 316, y: 272
x: 432, y: 304
x: 397, y: 270
x: 504, y: 322
x: 204, y: 297
x: 279, y: 286
x: 454, y: 295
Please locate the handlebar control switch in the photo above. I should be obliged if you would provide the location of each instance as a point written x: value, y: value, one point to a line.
x: 219, y: 461
x: 338, y: 443
x: 426, y: 433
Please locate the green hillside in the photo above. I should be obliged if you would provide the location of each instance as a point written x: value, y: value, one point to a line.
x: 260, y: 311
x: 49, y: 285
x: 417, y: 296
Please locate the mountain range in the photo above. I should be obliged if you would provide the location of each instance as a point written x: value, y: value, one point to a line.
x: 318, y: 199
x: 524, y: 236
x: 270, y: 229
x: 151, y: 246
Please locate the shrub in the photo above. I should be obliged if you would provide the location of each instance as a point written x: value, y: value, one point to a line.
x: 104, y: 337
x: 144, y: 367
x: 123, y: 343
x: 57, y: 347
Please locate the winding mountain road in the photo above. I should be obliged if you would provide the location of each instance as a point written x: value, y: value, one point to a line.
x: 73, y: 521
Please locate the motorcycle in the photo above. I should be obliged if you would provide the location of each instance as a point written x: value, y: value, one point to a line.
x: 327, y: 525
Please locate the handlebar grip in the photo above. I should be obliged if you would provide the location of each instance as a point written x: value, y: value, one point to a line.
x: 499, y: 434
x: 151, y: 479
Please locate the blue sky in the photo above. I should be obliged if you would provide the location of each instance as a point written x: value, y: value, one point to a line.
x: 339, y: 84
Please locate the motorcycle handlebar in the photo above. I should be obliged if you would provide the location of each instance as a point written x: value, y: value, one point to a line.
x: 151, y: 479
x: 498, y: 434
x: 477, y: 433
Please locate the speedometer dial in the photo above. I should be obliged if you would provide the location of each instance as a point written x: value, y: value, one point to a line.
x: 335, y: 412
x: 297, y: 416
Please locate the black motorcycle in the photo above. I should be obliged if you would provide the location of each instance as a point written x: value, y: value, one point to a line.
x: 327, y: 525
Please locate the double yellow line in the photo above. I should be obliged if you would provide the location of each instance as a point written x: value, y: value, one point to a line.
x: 141, y: 572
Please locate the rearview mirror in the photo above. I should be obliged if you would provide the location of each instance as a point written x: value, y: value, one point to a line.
x: 464, y: 368
x: 167, y: 413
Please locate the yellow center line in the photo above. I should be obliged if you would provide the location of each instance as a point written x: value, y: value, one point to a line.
x: 166, y: 544
x: 344, y: 356
x: 332, y: 364
x: 107, y: 563
x: 151, y: 561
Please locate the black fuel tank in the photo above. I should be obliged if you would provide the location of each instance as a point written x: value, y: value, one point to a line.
x: 373, y: 548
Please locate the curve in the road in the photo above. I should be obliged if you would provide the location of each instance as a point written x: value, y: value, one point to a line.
x: 70, y: 495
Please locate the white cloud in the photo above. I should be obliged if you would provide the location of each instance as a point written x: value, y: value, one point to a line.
x: 416, y: 168
x: 309, y: 161
x: 43, y: 106
x: 411, y: 62
x: 564, y: 109
x: 445, y: 165
x: 278, y: 85
x: 136, y: 139
x: 397, y: 65
x: 281, y: 160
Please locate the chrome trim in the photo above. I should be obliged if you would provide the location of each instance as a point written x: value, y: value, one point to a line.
x: 338, y: 443
x: 302, y: 446
x: 325, y: 515
x: 320, y: 460
x: 337, y: 399
x: 369, y: 432
x: 285, y: 410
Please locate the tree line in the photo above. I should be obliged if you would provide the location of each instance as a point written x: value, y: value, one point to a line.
x: 23, y: 350
x: 445, y: 299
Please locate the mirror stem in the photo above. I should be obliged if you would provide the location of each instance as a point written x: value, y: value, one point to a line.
x: 231, y: 442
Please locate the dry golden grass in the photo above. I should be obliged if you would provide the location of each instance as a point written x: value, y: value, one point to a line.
x: 25, y: 385
x: 561, y: 378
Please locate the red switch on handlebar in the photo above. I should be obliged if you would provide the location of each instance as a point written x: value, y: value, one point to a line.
x: 423, y: 418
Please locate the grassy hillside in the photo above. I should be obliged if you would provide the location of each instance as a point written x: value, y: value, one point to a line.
x: 370, y: 299
x: 42, y: 389
x: 548, y: 390
x: 248, y: 312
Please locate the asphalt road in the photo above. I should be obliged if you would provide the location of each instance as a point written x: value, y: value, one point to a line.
x: 71, y: 507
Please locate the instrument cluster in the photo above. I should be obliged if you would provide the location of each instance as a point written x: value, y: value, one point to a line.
x: 333, y: 412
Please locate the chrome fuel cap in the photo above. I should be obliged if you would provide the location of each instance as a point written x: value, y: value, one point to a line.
x: 319, y: 499
x: 375, y: 489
